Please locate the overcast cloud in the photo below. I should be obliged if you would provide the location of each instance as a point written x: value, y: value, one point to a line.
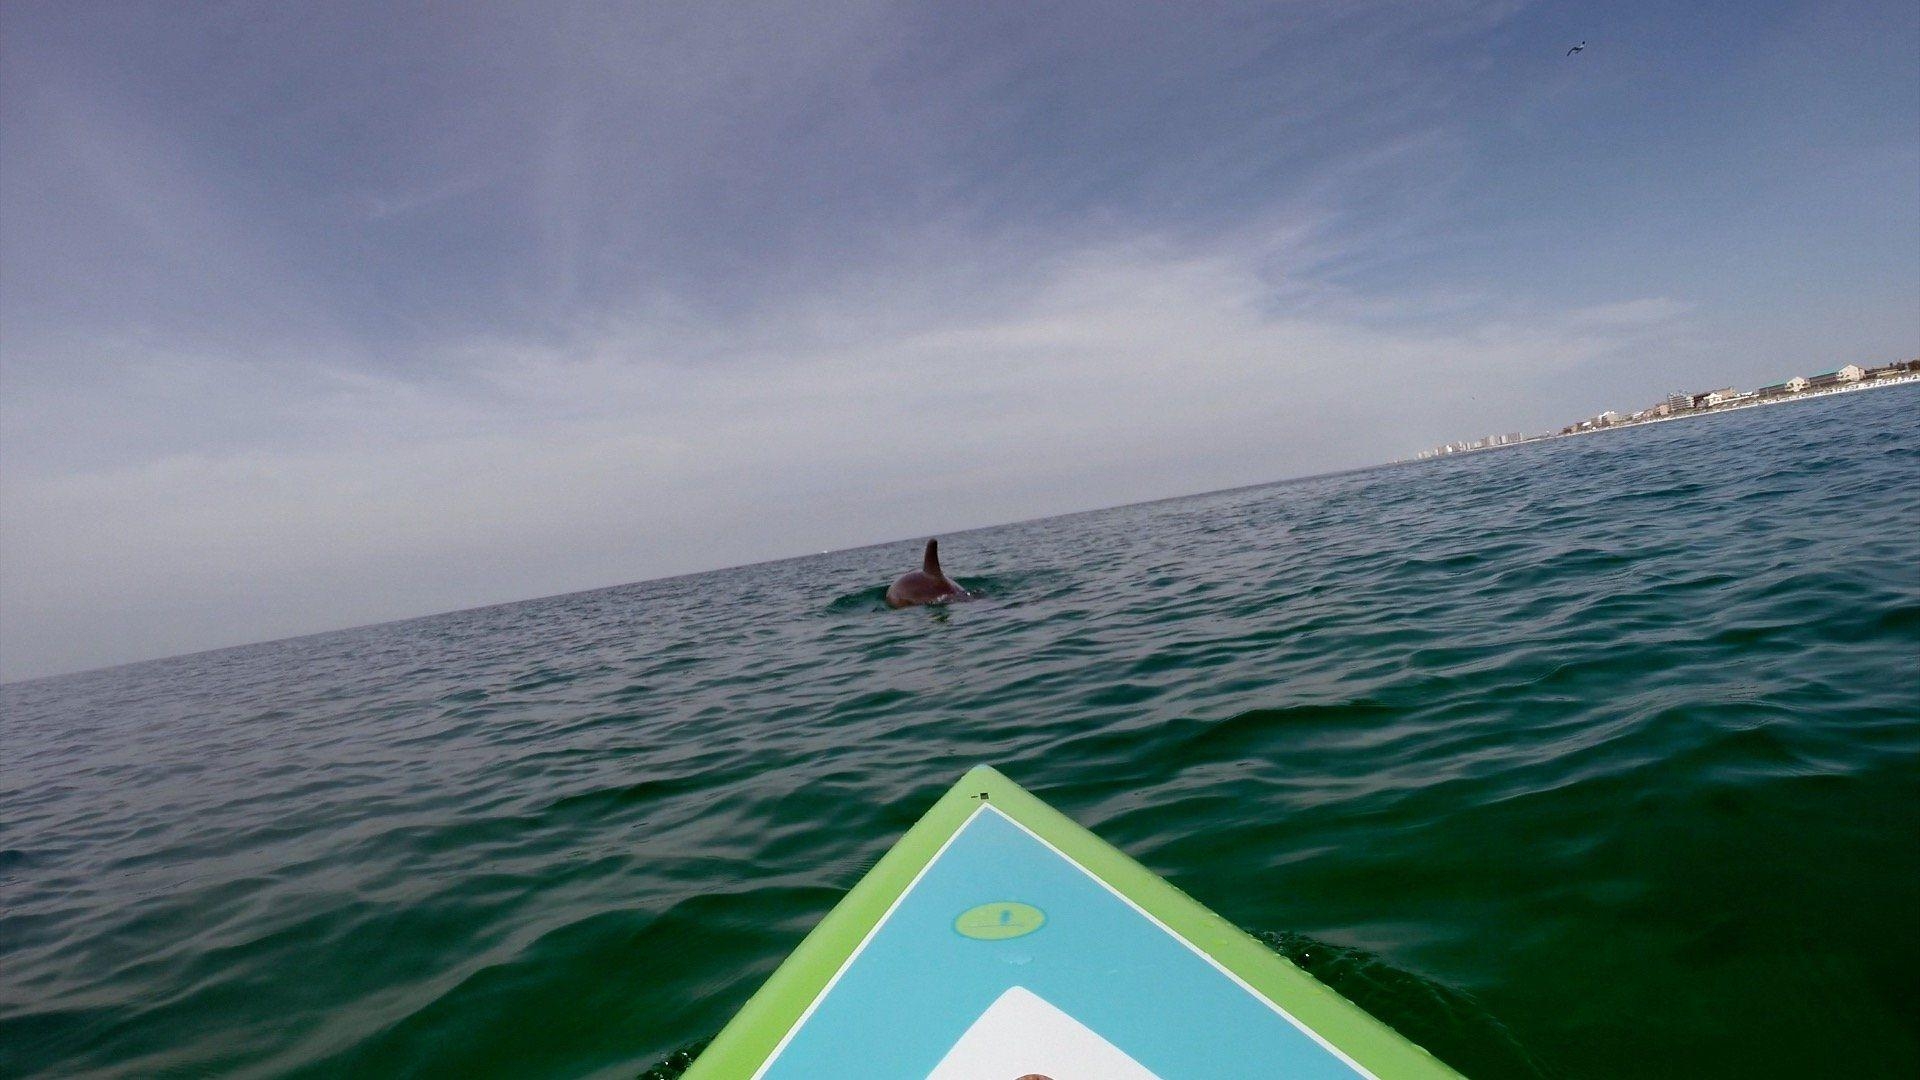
x: 316, y: 315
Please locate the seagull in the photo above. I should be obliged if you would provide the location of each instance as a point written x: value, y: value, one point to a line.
x: 1576, y: 48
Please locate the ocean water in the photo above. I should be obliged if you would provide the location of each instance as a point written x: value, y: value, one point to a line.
x: 1596, y: 758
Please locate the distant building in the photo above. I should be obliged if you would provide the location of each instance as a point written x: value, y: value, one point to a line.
x: 1679, y: 404
x: 1851, y: 373
x: 1791, y: 386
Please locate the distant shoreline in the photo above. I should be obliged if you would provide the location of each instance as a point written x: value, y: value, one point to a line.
x: 1713, y: 410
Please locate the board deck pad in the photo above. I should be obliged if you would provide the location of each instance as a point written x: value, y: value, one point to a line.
x: 998, y: 941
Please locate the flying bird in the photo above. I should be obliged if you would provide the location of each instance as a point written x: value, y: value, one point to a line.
x: 1576, y: 48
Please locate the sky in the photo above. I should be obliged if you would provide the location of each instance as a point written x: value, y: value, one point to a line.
x: 316, y: 315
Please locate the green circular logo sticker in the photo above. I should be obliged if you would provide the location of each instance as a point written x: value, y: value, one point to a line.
x: 999, y: 921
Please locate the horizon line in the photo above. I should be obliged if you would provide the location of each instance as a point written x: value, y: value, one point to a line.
x: 484, y: 605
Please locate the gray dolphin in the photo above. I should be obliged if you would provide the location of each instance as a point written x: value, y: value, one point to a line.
x: 926, y: 585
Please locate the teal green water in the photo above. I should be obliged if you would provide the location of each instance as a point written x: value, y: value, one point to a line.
x: 1595, y: 758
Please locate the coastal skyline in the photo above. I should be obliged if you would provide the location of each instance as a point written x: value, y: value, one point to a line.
x: 1680, y: 404
x: 311, y: 319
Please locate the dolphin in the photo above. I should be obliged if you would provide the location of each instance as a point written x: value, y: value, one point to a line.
x: 926, y: 585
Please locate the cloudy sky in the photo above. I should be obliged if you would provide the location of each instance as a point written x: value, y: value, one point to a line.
x: 321, y: 314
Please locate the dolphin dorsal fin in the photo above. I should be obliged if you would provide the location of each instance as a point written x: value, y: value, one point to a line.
x: 930, y: 563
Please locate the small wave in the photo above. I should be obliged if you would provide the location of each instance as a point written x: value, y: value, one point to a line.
x: 1250, y: 732
x: 873, y: 599
x: 1449, y: 1023
x: 611, y: 799
x: 1900, y: 620
x: 992, y: 584
x: 540, y: 679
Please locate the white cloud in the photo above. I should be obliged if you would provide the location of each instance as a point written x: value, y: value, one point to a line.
x: 864, y: 411
x: 1646, y: 311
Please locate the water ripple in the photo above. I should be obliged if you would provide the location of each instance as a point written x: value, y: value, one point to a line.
x: 1593, y: 758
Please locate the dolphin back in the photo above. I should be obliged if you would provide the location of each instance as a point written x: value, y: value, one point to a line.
x: 926, y: 585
